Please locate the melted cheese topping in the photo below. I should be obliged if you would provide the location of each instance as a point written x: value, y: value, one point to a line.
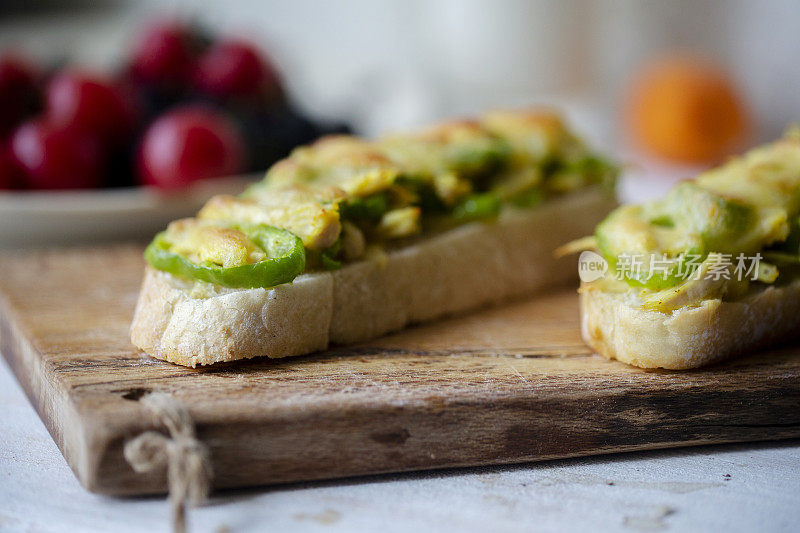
x: 387, y: 184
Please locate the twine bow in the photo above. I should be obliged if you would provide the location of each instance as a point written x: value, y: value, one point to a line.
x: 187, y: 460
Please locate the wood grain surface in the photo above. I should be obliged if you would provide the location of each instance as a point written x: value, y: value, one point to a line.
x: 505, y: 385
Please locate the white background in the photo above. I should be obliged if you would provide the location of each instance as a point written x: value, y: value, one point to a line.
x: 392, y: 63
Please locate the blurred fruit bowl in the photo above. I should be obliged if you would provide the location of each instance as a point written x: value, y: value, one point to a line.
x: 47, y: 218
x: 88, y: 156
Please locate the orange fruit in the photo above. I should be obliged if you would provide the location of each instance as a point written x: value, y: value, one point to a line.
x: 687, y: 110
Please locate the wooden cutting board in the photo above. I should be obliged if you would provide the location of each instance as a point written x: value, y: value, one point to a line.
x: 505, y: 385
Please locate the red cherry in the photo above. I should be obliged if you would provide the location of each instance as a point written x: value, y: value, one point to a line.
x: 91, y: 103
x: 163, y: 54
x: 58, y: 157
x: 187, y: 144
x: 234, y: 68
x: 19, y: 95
x: 12, y: 176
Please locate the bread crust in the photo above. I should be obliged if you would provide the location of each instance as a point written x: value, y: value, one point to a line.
x: 615, y: 326
x: 474, y: 265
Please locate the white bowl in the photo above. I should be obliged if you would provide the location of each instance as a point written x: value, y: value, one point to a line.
x: 56, y: 218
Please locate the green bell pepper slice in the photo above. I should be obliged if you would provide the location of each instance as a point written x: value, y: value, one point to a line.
x: 370, y: 208
x: 328, y: 256
x: 477, y: 207
x: 286, y: 259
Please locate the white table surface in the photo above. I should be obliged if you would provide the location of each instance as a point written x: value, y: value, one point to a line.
x: 748, y: 487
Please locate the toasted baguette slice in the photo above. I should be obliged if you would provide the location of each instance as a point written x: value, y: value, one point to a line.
x: 615, y: 326
x: 464, y: 268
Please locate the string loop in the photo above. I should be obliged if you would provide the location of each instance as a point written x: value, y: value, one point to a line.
x: 187, y: 460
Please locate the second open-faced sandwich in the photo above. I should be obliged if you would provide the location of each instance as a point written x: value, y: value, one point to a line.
x: 348, y: 239
x: 709, y: 271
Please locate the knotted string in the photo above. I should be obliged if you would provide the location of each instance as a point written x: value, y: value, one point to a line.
x: 187, y: 459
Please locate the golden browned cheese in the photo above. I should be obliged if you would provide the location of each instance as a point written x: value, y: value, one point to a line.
x: 399, y: 223
x: 745, y: 207
x: 354, y: 165
x: 767, y: 177
x: 537, y: 134
x: 308, y: 192
x: 316, y: 223
x: 439, y: 155
x: 203, y: 243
